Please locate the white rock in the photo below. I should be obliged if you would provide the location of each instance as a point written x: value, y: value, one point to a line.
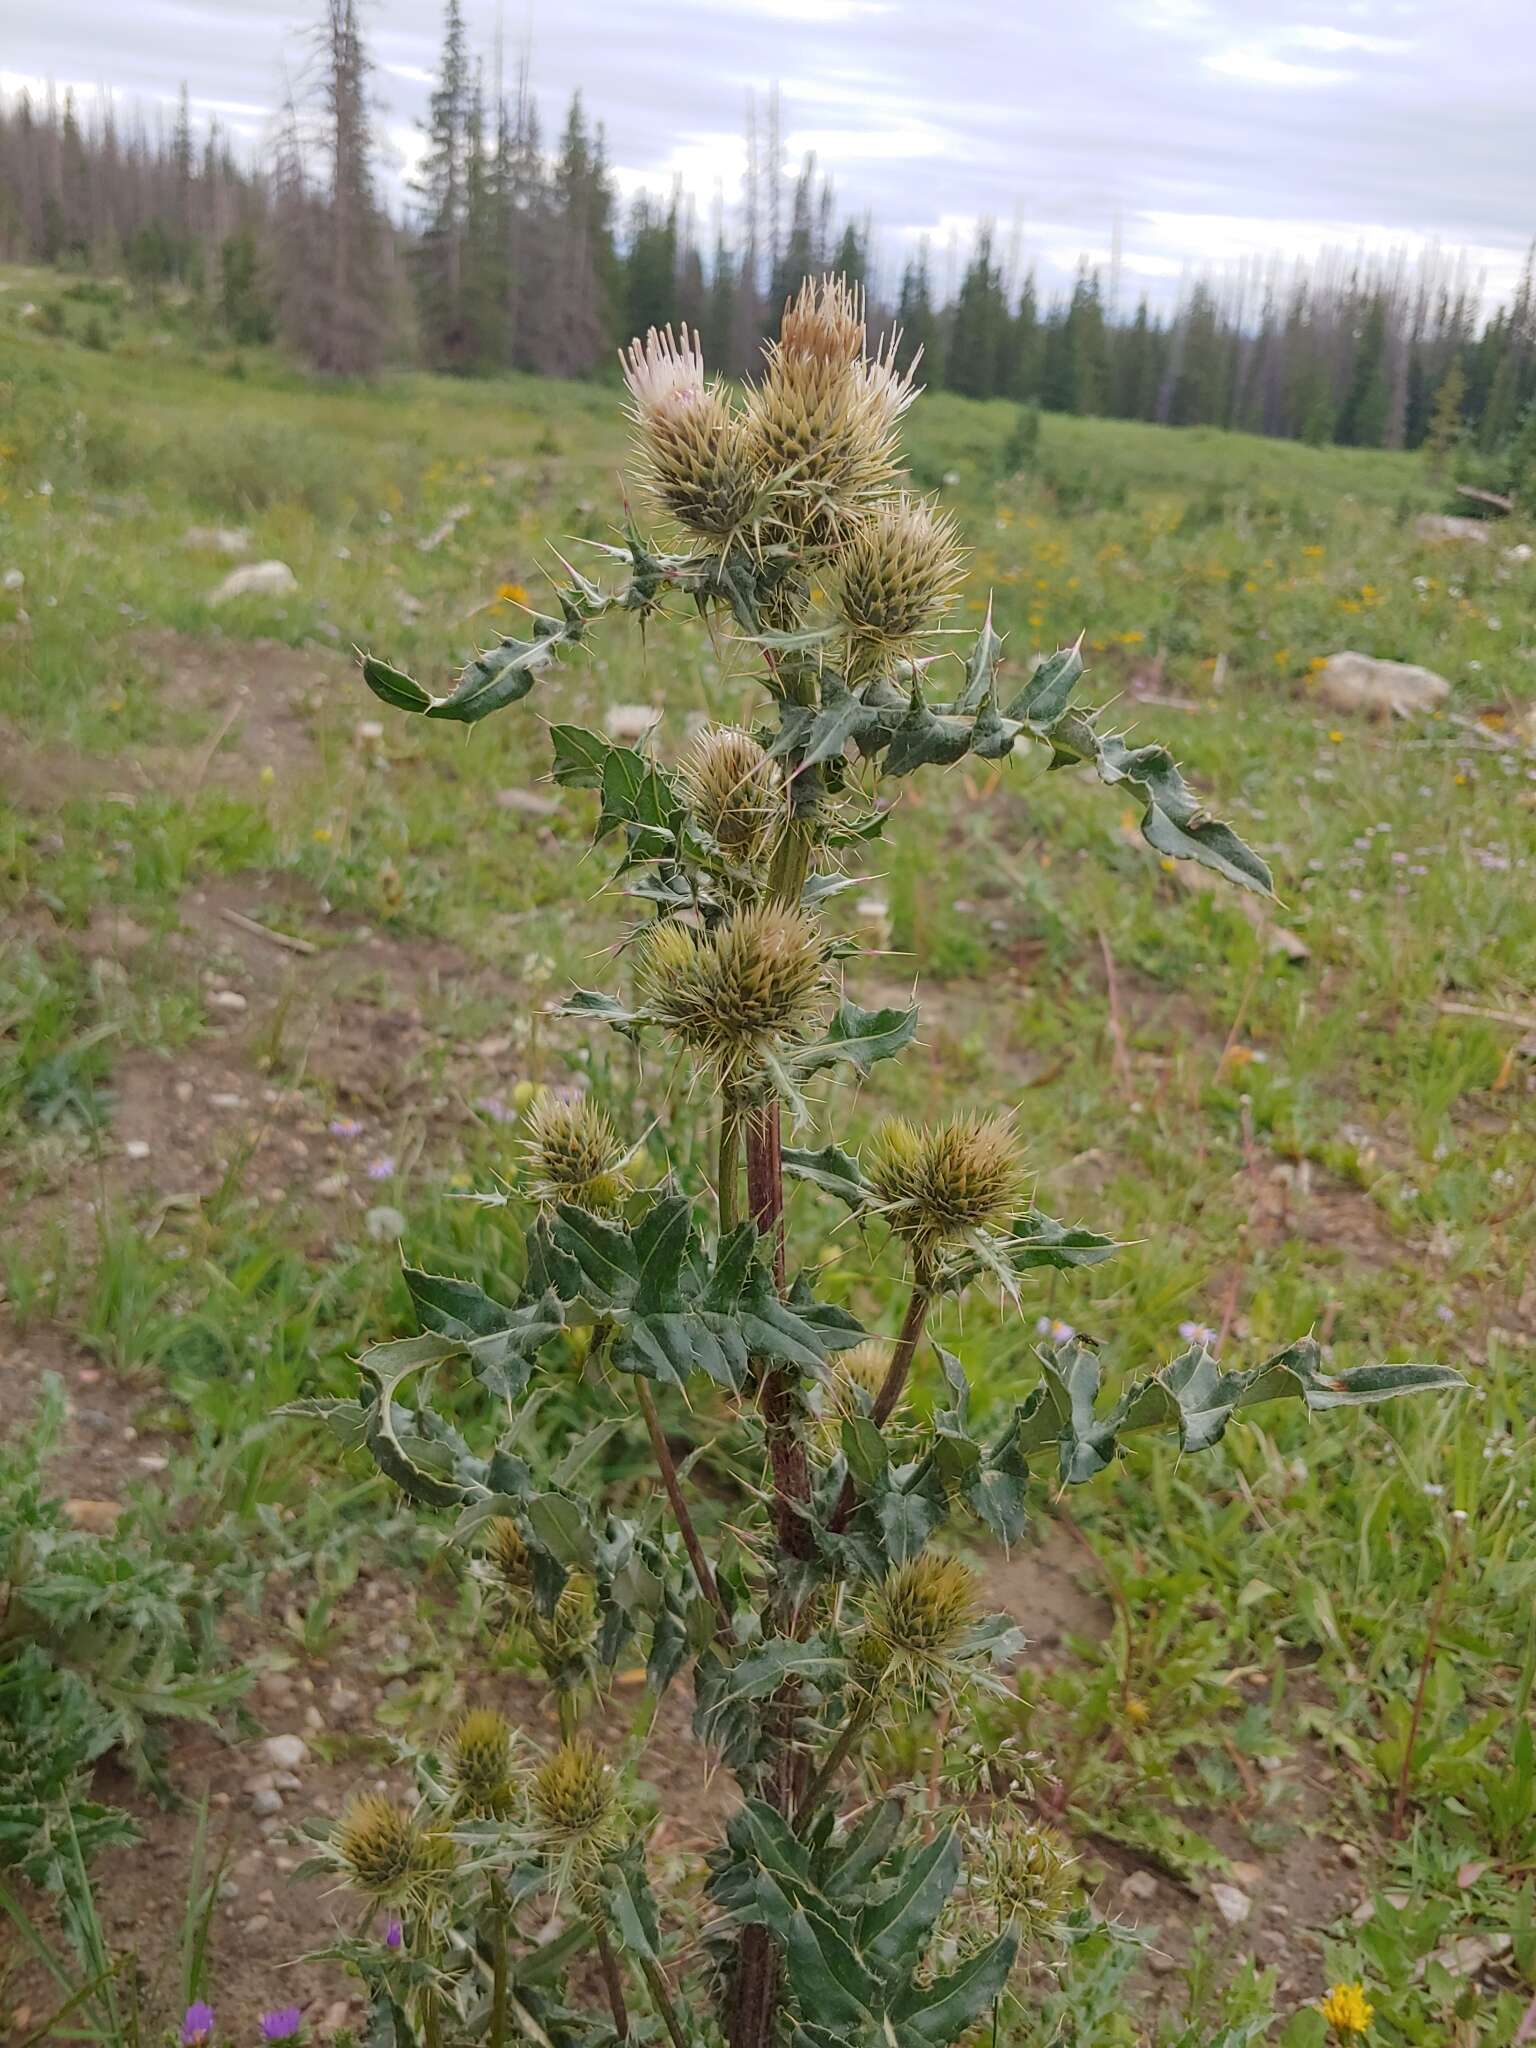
x: 1521, y: 552
x: 1233, y: 1906
x: 285, y: 1752
x: 226, y: 999
x: 13, y: 579
x: 266, y: 1802
x: 1358, y: 682
x: 256, y: 579
x: 528, y: 803
x: 135, y: 1148
x: 631, y: 721
x: 1446, y: 526
x: 218, y: 540
x: 1141, y: 1884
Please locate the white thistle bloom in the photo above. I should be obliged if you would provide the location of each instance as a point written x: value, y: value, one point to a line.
x: 665, y: 373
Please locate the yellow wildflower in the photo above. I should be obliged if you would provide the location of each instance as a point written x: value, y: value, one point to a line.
x: 1336, y: 736
x: 512, y: 593
x: 1347, y: 2009
x: 1313, y: 554
x: 323, y: 835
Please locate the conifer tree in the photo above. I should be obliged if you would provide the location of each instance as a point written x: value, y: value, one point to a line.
x: 1445, y: 421
x: 442, y: 193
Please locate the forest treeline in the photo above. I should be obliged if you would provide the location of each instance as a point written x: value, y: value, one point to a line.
x: 515, y: 254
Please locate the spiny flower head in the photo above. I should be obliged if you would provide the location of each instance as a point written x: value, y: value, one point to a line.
x: 821, y: 424
x: 1347, y: 2009
x: 507, y: 1555
x: 1021, y: 1877
x: 576, y: 1817
x: 388, y: 1854
x: 479, y: 1765
x: 566, y: 1636
x: 734, y: 994
x: 729, y: 785
x: 915, y: 1626
x: 899, y: 572
x: 853, y: 1379
x: 692, y: 444
x: 936, y: 1184
x: 575, y: 1156
x: 856, y: 1376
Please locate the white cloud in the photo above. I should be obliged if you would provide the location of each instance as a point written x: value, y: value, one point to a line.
x: 1335, y: 40
x: 1255, y: 65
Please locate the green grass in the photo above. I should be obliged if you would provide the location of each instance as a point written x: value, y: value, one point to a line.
x: 1281, y: 1146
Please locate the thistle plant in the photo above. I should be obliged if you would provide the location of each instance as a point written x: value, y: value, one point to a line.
x: 830, y: 1608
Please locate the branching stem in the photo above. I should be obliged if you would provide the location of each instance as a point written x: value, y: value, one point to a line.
x: 857, y: 1721
x: 680, y: 1512
x: 912, y: 1324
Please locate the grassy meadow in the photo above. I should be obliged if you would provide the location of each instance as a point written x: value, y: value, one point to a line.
x: 274, y: 972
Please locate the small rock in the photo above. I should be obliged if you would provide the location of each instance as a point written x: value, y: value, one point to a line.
x: 1160, y: 1963
x: 266, y: 1802
x: 1233, y: 1906
x: 631, y: 721
x: 229, y: 999
x: 98, y: 1517
x: 1141, y: 1884
x: 151, y: 1461
x: 1250, y: 1874
x: 135, y: 1148
x: 218, y: 540
x: 528, y: 803
x: 256, y: 579
x: 334, y: 1185
x: 13, y: 579
x: 1358, y: 682
x: 257, y: 1923
x: 224, y: 1100
x: 370, y: 733
x: 1446, y: 526
x: 229, y: 1889
x: 1349, y: 1854
x: 286, y: 1752
x: 287, y: 1781
x: 336, y: 2016
x: 344, y: 1699
x: 1521, y: 552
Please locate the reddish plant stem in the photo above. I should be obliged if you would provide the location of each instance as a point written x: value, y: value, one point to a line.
x: 684, y: 1520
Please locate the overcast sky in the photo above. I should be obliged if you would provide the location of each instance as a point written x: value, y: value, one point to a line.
x: 1208, y: 130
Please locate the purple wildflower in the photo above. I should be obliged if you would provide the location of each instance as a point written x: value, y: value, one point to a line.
x: 1199, y: 1333
x: 394, y: 1933
x: 382, y: 1168
x: 197, y: 2025
x: 494, y: 1107
x: 1052, y: 1327
x: 282, y: 2025
x: 345, y: 1127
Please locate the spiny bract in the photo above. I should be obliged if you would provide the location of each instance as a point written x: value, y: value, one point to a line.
x: 936, y: 1184
x: 388, y: 1854
x: 898, y: 575
x: 479, y: 1765
x: 574, y: 1155
x: 821, y: 425
x: 729, y: 786
x: 692, y: 444
x: 735, y: 993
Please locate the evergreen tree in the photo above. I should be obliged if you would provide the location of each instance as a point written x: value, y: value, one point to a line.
x: 442, y: 193
x: 1362, y: 421
x: 1445, y: 421
x: 917, y: 321
x: 977, y: 330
